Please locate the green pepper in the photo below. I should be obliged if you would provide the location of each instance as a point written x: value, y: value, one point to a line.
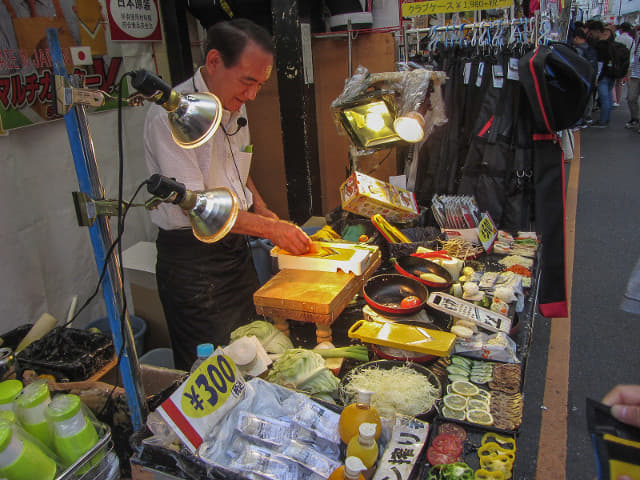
x: 457, y: 471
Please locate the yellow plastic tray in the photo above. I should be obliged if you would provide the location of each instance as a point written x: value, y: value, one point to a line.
x: 405, y: 337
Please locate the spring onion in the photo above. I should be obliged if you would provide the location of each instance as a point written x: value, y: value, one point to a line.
x: 357, y: 352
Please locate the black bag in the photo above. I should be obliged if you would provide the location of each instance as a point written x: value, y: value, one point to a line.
x: 619, y: 60
x: 558, y: 83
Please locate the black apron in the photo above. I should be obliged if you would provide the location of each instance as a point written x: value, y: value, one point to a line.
x: 206, y: 290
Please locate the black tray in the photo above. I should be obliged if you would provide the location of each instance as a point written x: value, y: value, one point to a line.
x: 469, y: 450
x: 68, y: 354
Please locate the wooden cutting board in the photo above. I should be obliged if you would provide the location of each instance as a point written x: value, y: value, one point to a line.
x: 310, y: 296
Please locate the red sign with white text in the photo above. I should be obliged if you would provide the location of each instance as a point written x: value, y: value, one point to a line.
x: 134, y: 20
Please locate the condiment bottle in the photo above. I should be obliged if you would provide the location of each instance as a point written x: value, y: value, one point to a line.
x: 349, y: 471
x: 31, y: 404
x: 364, y: 446
x: 73, y: 433
x: 21, y: 459
x: 357, y: 413
x: 8, y: 391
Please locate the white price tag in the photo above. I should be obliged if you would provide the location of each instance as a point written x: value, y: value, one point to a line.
x: 513, y: 73
x: 467, y: 73
x: 203, y: 399
x: 480, y: 73
x: 498, y: 76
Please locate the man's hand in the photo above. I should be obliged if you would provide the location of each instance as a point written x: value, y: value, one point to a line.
x: 289, y: 237
x: 624, y: 401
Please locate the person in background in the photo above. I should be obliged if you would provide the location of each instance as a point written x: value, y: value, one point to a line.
x: 633, y: 86
x: 605, y: 79
x: 624, y: 37
x: 206, y: 289
x: 589, y: 53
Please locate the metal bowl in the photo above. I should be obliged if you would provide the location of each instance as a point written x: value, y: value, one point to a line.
x: 387, y: 365
x: 385, y: 292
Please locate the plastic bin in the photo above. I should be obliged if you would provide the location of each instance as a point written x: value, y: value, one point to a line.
x: 138, y: 327
x: 158, y: 357
x: 68, y: 354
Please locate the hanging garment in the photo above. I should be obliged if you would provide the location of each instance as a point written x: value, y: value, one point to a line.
x: 550, y: 214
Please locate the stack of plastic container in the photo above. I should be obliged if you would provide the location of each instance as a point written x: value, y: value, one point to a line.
x: 45, y: 439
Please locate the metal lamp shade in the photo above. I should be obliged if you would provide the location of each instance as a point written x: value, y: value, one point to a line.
x: 196, y: 119
x: 214, y: 214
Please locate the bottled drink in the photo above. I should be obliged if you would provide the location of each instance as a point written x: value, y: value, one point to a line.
x: 357, y: 413
x: 364, y: 446
x: 204, y: 351
x: 349, y: 471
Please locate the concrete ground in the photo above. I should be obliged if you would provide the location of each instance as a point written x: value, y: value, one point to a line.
x: 597, y: 347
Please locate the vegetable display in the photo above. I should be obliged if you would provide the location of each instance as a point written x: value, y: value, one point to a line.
x: 303, y: 370
x: 272, y: 339
x: 416, y: 396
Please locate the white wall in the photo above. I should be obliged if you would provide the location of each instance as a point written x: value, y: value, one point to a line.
x: 46, y: 257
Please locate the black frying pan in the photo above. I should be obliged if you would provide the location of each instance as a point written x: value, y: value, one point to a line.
x: 413, y: 267
x: 385, y: 292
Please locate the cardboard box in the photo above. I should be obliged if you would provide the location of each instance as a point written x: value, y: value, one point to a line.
x: 366, y: 196
x: 140, y: 264
x: 468, y: 234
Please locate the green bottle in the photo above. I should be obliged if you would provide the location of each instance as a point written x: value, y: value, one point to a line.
x: 30, y: 406
x: 21, y: 459
x: 8, y: 391
x: 73, y: 433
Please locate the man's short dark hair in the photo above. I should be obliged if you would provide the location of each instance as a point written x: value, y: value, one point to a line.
x: 580, y: 33
x: 625, y: 27
x: 596, y: 25
x: 231, y: 37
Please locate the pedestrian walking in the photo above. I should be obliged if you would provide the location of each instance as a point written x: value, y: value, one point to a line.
x: 633, y: 89
x: 605, y: 79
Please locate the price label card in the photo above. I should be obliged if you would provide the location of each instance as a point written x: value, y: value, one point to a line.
x: 203, y: 399
x: 487, y: 232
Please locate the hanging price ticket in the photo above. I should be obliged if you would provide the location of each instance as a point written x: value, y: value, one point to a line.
x: 203, y: 399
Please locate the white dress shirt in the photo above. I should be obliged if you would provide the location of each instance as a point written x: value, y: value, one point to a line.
x: 221, y: 162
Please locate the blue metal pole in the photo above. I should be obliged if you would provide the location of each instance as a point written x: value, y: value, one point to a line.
x: 101, y: 239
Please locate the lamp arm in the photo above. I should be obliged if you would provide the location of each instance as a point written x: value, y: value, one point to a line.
x: 155, y: 88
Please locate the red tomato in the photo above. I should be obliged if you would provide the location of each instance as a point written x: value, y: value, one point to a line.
x: 453, y: 429
x: 434, y: 457
x: 410, y: 302
x: 448, y: 444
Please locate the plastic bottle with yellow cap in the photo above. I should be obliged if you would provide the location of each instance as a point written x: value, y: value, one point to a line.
x: 30, y: 407
x: 73, y: 433
x: 21, y: 459
x: 8, y: 391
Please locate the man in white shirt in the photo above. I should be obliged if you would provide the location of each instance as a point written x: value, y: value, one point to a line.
x: 207, y: 289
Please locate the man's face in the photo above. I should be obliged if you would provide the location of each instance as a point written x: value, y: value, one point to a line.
x: 235, y: 85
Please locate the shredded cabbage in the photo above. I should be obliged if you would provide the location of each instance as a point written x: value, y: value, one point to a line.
x: 397, y: 390
x: 272, y: 339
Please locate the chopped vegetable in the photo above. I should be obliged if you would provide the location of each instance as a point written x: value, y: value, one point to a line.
x: 303, y: 370
x: 357, y: 352
x: 272, y: 339
x: 416, y: 396
x: 520, y: 270
x: 453, y: 471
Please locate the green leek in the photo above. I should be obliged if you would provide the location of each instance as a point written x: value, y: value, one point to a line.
x: 357, y: 352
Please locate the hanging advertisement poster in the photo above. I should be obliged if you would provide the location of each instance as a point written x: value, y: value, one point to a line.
x: 134, y: 20
x: 451, y: 6
x: 26, y: 72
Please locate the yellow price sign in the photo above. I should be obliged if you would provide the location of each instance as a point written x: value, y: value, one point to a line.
x: 209, y: 387
x: 450, y: 6
x: 487, y: 232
